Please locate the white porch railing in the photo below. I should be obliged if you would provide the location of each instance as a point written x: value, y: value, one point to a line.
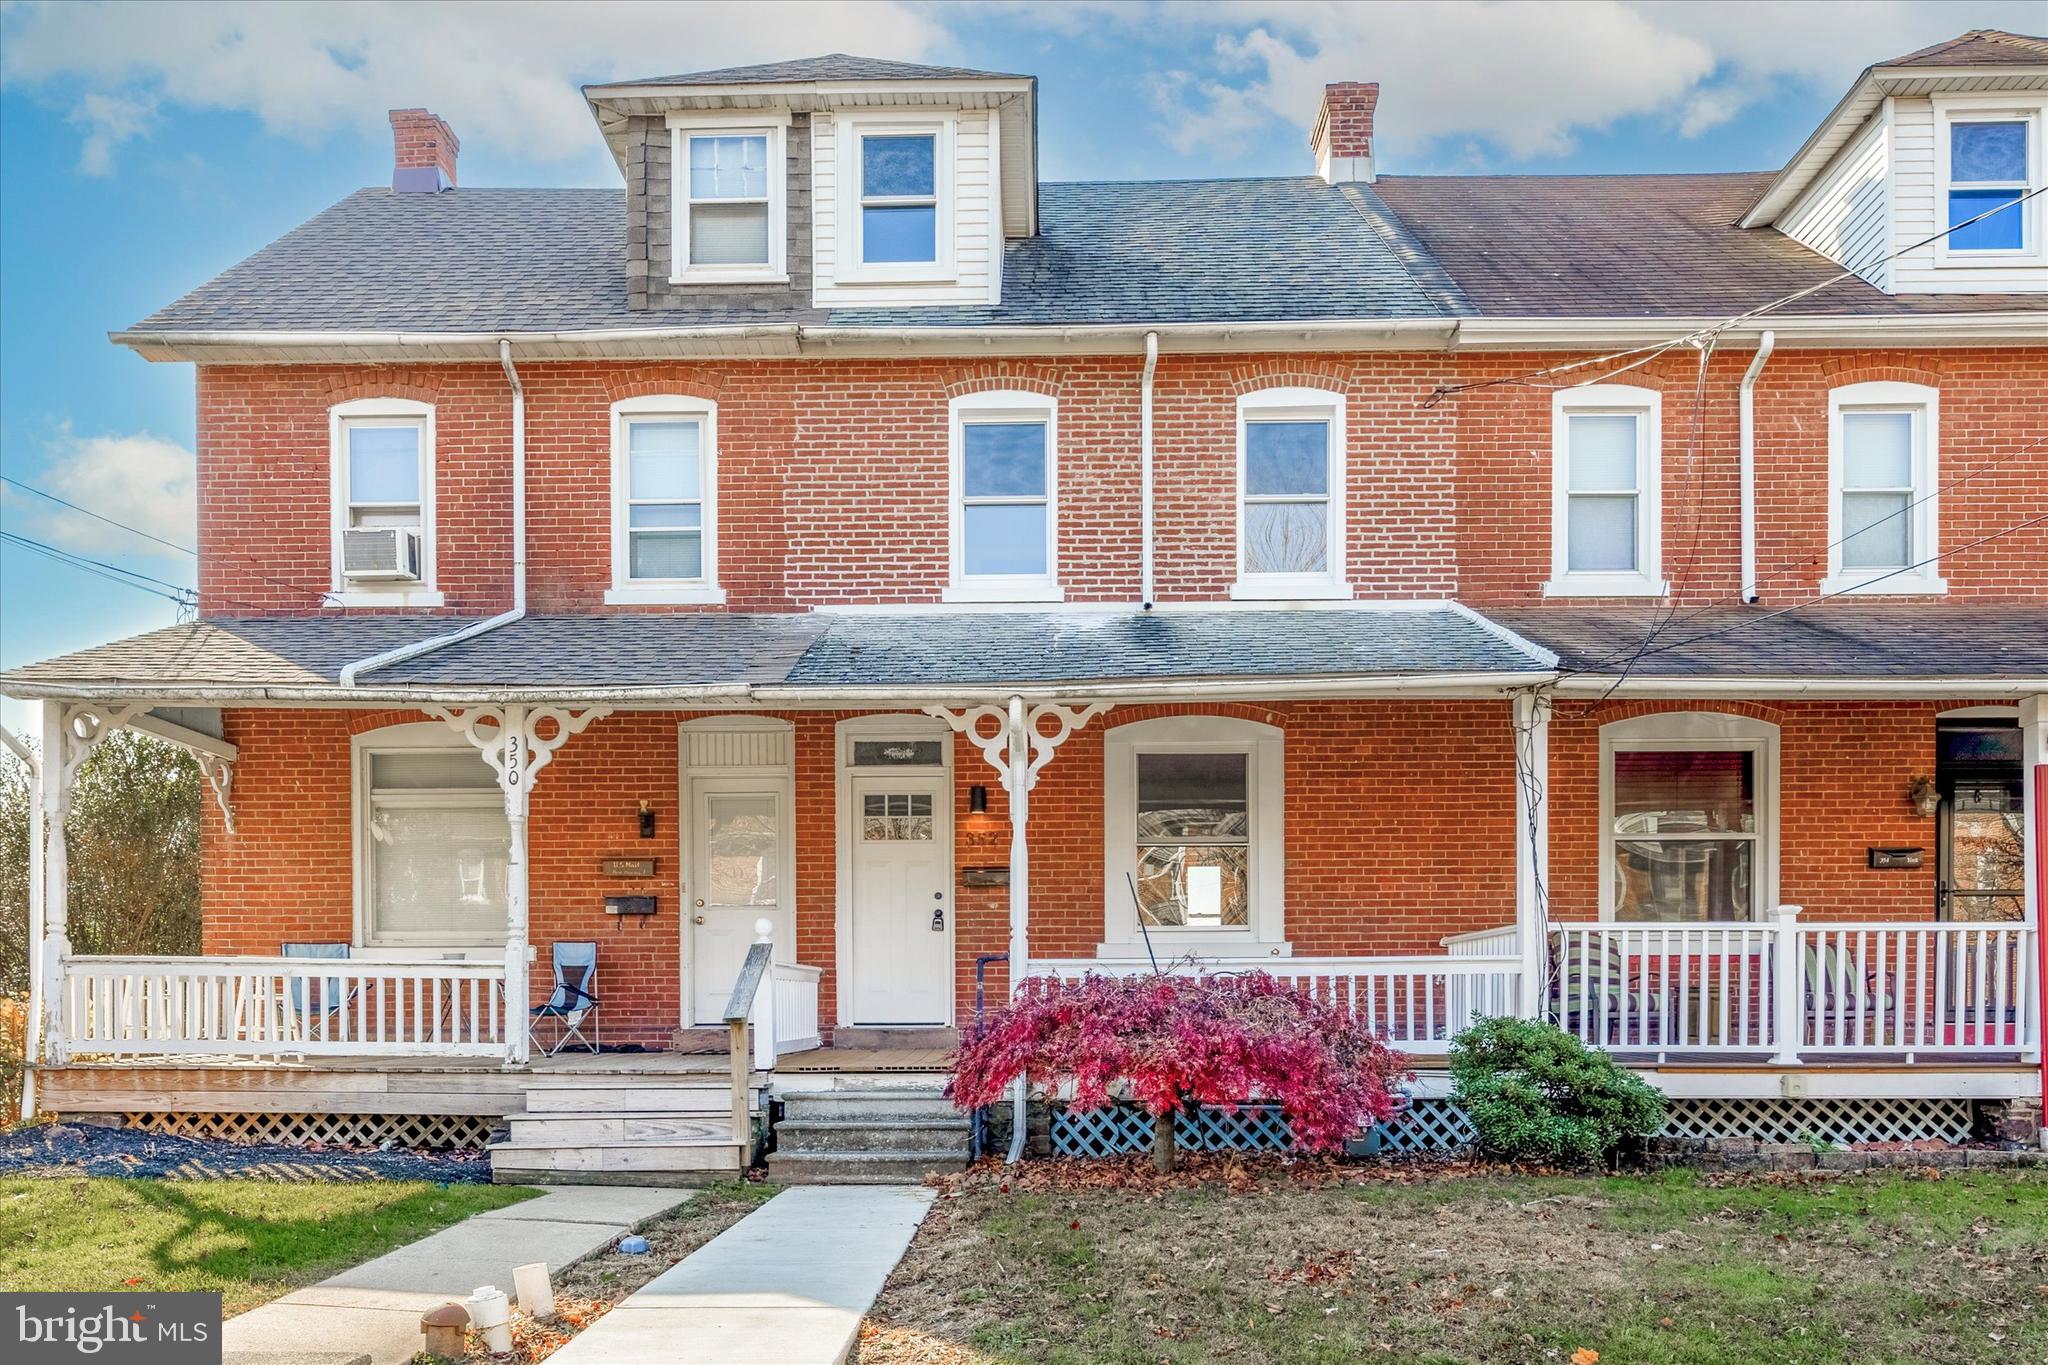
x: 272, y: 1006
x: 796, y: 1007
x: 1799, y: 991
x: 1417, y: 1003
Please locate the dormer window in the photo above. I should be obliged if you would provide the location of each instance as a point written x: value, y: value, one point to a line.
x: 1988, y: 160
x: 899, y: 227
x: 730, y: 181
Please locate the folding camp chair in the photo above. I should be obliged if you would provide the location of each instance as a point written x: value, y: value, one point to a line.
x: 573, y: 1000
x: 314, y: 999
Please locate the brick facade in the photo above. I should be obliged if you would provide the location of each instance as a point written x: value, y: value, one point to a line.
x: 833, y: 475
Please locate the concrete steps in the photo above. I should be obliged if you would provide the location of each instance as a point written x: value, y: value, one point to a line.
x: 867, y: 1137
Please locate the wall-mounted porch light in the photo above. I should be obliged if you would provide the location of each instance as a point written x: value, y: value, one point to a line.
x: 977, y: 800
x: 647, y: 819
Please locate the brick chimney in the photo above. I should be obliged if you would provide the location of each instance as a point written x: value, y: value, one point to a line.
x: 426, y: 148
x: 1342, y: 137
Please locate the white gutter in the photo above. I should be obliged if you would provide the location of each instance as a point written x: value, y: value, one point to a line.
x: 1748, y: 419
x: 31, y: 1028
x: 505, y: 618
x: 1145, y: 471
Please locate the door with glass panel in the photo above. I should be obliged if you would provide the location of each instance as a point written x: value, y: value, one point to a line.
x: 902, y: 968
x: 739, y: 837
x: 1981, y: 855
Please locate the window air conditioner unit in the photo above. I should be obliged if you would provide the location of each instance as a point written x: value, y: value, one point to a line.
x: 389, y: 553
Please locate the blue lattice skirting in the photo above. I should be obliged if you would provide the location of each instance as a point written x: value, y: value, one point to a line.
x: 1115, y: 1130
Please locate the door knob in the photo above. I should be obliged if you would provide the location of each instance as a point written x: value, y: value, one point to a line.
x: 698, y: 918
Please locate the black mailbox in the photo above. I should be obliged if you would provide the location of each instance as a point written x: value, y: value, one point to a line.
x: 629, y: 905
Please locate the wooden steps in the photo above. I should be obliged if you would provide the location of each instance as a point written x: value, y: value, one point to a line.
x: 654, y: 1129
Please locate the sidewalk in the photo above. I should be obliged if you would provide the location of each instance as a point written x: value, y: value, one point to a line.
x: 786, y: 1285
x: 374, y: 1310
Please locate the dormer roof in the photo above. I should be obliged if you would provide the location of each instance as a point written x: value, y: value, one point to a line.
x: 1980, y: 60
x: 837, y: 81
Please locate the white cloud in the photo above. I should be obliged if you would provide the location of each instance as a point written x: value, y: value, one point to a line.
x: 108, y: 121
x: 503, y: 75
x: 142, y: 481
x: 1527, y: 78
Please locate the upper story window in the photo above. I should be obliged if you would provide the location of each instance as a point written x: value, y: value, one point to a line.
x: 731, y: 181
x: 1882, y: 510
x: 1290, y: 481
x: 382, y: 461
x: 1988, y: 159
x: 1005, y: 534
x: 1605, y: 451
x: 898, y: 174
x: 664, y: 501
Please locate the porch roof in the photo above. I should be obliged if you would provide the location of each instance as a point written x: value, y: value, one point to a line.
x: 1839, y: 640
x: 794, y: 652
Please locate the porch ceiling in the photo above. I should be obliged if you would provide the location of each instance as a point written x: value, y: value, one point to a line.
x: 1841, y: 640
x: 796, y: 653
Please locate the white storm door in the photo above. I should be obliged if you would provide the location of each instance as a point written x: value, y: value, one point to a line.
x: 902, y: 842
x: 738, y: 841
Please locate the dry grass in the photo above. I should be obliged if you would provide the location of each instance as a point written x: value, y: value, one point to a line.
x: 1254, y: 1262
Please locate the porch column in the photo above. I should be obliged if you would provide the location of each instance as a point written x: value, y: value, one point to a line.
x: 1531, y: 719
x: 69, y: 733
x: 1018, y: 747
x: 511, y: 741
x: 2034, y: 865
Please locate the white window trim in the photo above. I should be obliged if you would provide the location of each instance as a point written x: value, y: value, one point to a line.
x: 1924, y: 403
x: 1648, y: 578
x: 430, y: 735
x: 1992, y: 108
x: 1298, y: 404
x: 771, y: 124
x: 342, y: 592
x: 850, y: 267
x: 1003, y: 405
x: 625, y: 589
x: 1686, y: 731
x: 1266, y: 774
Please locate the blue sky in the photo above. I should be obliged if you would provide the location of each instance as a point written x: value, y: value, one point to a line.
x: 145, y: 148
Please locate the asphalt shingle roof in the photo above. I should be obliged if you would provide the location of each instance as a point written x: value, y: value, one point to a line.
x: 1980, y: 47
x: 1632, y: 246
x: 1837, y: 640
x: 811, y: 650
x: 833, y: 66
x: 469, y: 260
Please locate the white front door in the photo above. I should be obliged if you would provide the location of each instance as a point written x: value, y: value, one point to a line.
x: 901, y: 835
x: 738, y: 839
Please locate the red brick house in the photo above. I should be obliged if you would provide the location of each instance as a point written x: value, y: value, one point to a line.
x: 1622, y: 600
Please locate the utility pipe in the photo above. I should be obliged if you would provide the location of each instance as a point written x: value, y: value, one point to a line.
x: 32, y: 1027
x: 505, y: 618
x: 1747, y: 405
x: 1145, y: 470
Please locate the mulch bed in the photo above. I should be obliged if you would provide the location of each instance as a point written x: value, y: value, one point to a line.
x: 85, y: 1149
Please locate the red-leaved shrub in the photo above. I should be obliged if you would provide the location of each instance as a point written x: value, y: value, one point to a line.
x: 1214, y: 1040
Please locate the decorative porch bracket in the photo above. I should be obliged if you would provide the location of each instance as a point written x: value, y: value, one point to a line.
x: 216, y: 758
x: 1018, y: 747
x: 68, y: 736
x: 517, y: 741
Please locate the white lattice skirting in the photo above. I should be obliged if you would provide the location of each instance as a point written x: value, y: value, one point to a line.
x: 424, y: 1132
x: 1434, y: 1125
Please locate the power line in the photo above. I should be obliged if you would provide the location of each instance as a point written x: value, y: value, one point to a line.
x: 184, y: 598
x: 18, y: 538
x: 98, y: 516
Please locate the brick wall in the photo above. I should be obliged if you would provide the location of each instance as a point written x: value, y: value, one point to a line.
x: 832, y: 485
x: 1399, y: 831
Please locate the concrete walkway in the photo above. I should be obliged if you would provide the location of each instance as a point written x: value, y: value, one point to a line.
x: 786, y: 1285
x: 375, y: 1308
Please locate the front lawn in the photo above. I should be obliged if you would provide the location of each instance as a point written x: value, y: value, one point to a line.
x: 251, y: 1239
x: 1064, y: 1262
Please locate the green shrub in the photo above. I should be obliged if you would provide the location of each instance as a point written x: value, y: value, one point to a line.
x: 1536, y: 1093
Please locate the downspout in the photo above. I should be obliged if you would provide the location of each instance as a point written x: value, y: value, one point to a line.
x: 1145, y: 470
x: 505, y: 618
x: 1747, y: 406
x: 31, y: 1029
